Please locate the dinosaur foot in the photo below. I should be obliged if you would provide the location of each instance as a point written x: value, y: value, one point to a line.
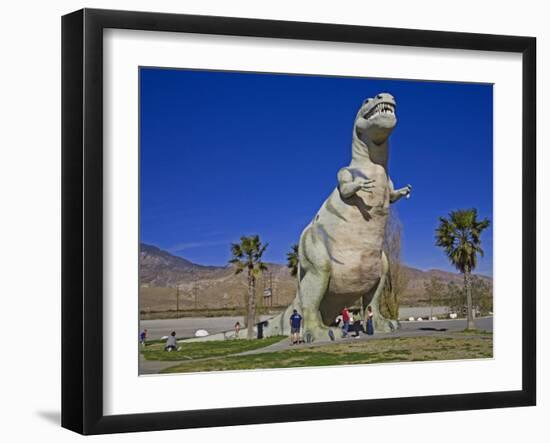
x: 382, y: 324
x: 317, y: 333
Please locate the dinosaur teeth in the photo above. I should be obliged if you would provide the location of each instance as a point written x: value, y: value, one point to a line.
x: 380, y: 108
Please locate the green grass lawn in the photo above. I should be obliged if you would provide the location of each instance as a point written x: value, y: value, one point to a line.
x: 207, y: 349
x: 400, y: 349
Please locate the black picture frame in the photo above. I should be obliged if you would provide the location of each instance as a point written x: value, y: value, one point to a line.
x: 82, y: 218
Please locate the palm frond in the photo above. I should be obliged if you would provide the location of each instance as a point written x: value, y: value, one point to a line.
x: 236, y: 250
x: 460, y: 237
x: 292, y: 259
x: 247, y: 254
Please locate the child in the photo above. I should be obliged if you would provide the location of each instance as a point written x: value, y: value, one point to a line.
x: 237, y: 329
x: 171, y: 344
x: 143, y: 337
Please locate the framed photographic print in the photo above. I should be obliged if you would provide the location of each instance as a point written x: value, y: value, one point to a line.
x: 309, y: 220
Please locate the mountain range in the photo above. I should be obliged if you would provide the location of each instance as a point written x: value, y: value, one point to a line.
x: 163, y: 275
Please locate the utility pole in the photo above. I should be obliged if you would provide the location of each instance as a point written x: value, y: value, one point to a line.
x: 195, y: 293
x: 275, y: 301
x: 268, y: 289
x: 271, y: 288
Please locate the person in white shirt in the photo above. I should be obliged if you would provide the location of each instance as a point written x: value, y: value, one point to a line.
x: 369, y: 321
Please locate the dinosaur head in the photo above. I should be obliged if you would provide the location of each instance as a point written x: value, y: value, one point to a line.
x: 376, y: 118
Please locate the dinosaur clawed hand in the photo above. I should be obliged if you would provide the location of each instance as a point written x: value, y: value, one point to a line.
x: 364, y: 184
x: 406, y: 191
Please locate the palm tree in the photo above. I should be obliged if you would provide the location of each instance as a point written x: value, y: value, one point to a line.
x: 460, y: 238
x: 292, y: 260
x: 247, y: 255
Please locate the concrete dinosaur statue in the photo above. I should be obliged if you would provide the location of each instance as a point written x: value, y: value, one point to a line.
x: 341, y: 257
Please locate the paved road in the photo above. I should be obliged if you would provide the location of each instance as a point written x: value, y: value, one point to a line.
x: 422, y: 311
x: 482, y: 323
x: 186, y: 327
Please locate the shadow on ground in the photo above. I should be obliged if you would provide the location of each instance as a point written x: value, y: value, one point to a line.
x: 54, y: 417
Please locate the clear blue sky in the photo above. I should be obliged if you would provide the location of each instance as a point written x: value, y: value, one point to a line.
x: 229, y: 154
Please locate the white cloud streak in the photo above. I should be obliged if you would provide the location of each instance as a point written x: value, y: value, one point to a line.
x: 198, y: 244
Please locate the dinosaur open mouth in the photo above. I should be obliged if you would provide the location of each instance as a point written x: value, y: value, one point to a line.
x: 380, y: 108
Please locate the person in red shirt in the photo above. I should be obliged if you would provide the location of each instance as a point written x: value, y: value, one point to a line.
x: 345, y: 320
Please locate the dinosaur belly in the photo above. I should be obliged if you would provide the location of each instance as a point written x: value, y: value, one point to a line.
x: 351, y: 282
x: 354, y: 235
x: 355, y: 272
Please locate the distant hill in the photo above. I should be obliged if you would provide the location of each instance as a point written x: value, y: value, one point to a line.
x: 201, y: 286
x: 160, y: 268
x: 218, y: 287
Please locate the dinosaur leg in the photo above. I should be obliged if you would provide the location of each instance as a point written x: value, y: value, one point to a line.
x: 381, y: 324
x: 313, y: 288
x: 279, y: 325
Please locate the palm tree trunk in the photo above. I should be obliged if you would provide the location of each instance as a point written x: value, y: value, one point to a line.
x: 251, y: 306
x: 468, y: 287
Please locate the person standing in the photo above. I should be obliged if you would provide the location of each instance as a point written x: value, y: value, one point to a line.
x: 345, y: 320
x: 370, y: 326
x: 295, y: 325
x: 237, y: 329
x: 143, y: 337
